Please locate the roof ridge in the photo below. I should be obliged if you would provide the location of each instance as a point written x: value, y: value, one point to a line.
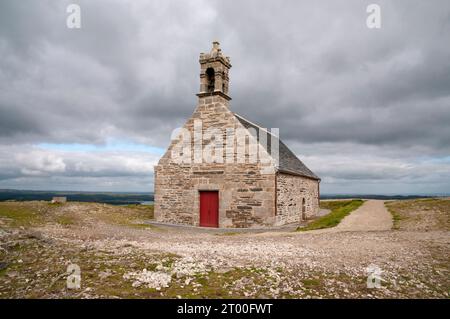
x: 258, y: 126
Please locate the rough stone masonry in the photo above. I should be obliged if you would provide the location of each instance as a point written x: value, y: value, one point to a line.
x: 275, y: 189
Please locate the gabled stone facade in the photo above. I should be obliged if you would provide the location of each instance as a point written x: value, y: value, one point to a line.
x: 252, y: 193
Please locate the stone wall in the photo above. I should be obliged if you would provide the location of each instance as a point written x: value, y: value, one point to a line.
x: 246, y: 195
x: 291, y: 190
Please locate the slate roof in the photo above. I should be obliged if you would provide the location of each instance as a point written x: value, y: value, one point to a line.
x: 288, y: 161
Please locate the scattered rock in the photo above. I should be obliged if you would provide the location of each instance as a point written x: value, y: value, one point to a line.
x: 105, y: 274
x: 152, y: 279
x: 3, y: 265
x: 34, y: 235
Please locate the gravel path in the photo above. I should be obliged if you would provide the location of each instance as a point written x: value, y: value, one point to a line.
x: 371, y: 216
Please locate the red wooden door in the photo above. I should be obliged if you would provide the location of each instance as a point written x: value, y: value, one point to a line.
x: 209, y: 209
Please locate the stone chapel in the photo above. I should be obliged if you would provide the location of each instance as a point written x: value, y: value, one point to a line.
x: 223, y: 170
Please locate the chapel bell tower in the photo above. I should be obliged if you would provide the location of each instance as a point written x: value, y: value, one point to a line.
x: 214, y: 67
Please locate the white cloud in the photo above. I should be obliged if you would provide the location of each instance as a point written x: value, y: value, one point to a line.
x: 31, y: 166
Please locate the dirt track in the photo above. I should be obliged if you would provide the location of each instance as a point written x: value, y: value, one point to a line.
x: 371, y: 216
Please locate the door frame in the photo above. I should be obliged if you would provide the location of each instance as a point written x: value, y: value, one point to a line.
x: 200, y: 191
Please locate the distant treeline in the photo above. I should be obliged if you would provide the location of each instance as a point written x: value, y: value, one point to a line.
x: 384, y: 197
x: 136, y: 198
x: 108, y: 198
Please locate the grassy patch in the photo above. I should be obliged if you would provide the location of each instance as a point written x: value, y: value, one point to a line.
x: 227, y: 234
x: 18, y: 215
x: 396, y: 218
x: 339, y: 209
x: 143, y: 209
x: 65, y: 220
x: 420, y: 214
x: 334, y: 204
x: 311, y: 283
x: 218, y: 285
x: 140, y: 225
x: 3, y: 268
x: 130, y: 215
x: 56, y: 204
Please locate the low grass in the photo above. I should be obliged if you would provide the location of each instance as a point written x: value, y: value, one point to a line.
x: 396, y: 218
x: 37, y: 255
x: 3, y: 268
x: 140, y: 225
x: 130, y: 215
x: 310, y: 283
x: 35, y: 213
x: 339, y: 209
x: 56, y: 204
x: 333, y: 204
x: 420, y: 214
x: 227, y: 234
x: 18, y: 215
x: 218, y: 285
x: 145, y: 209
x: 65, y: 220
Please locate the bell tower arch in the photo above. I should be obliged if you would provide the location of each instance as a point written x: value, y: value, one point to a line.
x: 214, y: 68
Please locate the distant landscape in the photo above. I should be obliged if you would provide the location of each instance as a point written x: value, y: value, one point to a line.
x: 125, y: 198
x: 100, y: 197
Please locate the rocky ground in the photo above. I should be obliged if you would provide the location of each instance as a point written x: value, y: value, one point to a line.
x: 121, y: 255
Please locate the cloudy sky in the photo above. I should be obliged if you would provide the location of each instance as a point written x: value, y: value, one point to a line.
x: 368, y: 110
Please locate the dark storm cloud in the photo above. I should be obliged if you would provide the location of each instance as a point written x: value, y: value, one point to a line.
x: 339, y: 81
x: 313, y: 69
x: 319, y: 64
